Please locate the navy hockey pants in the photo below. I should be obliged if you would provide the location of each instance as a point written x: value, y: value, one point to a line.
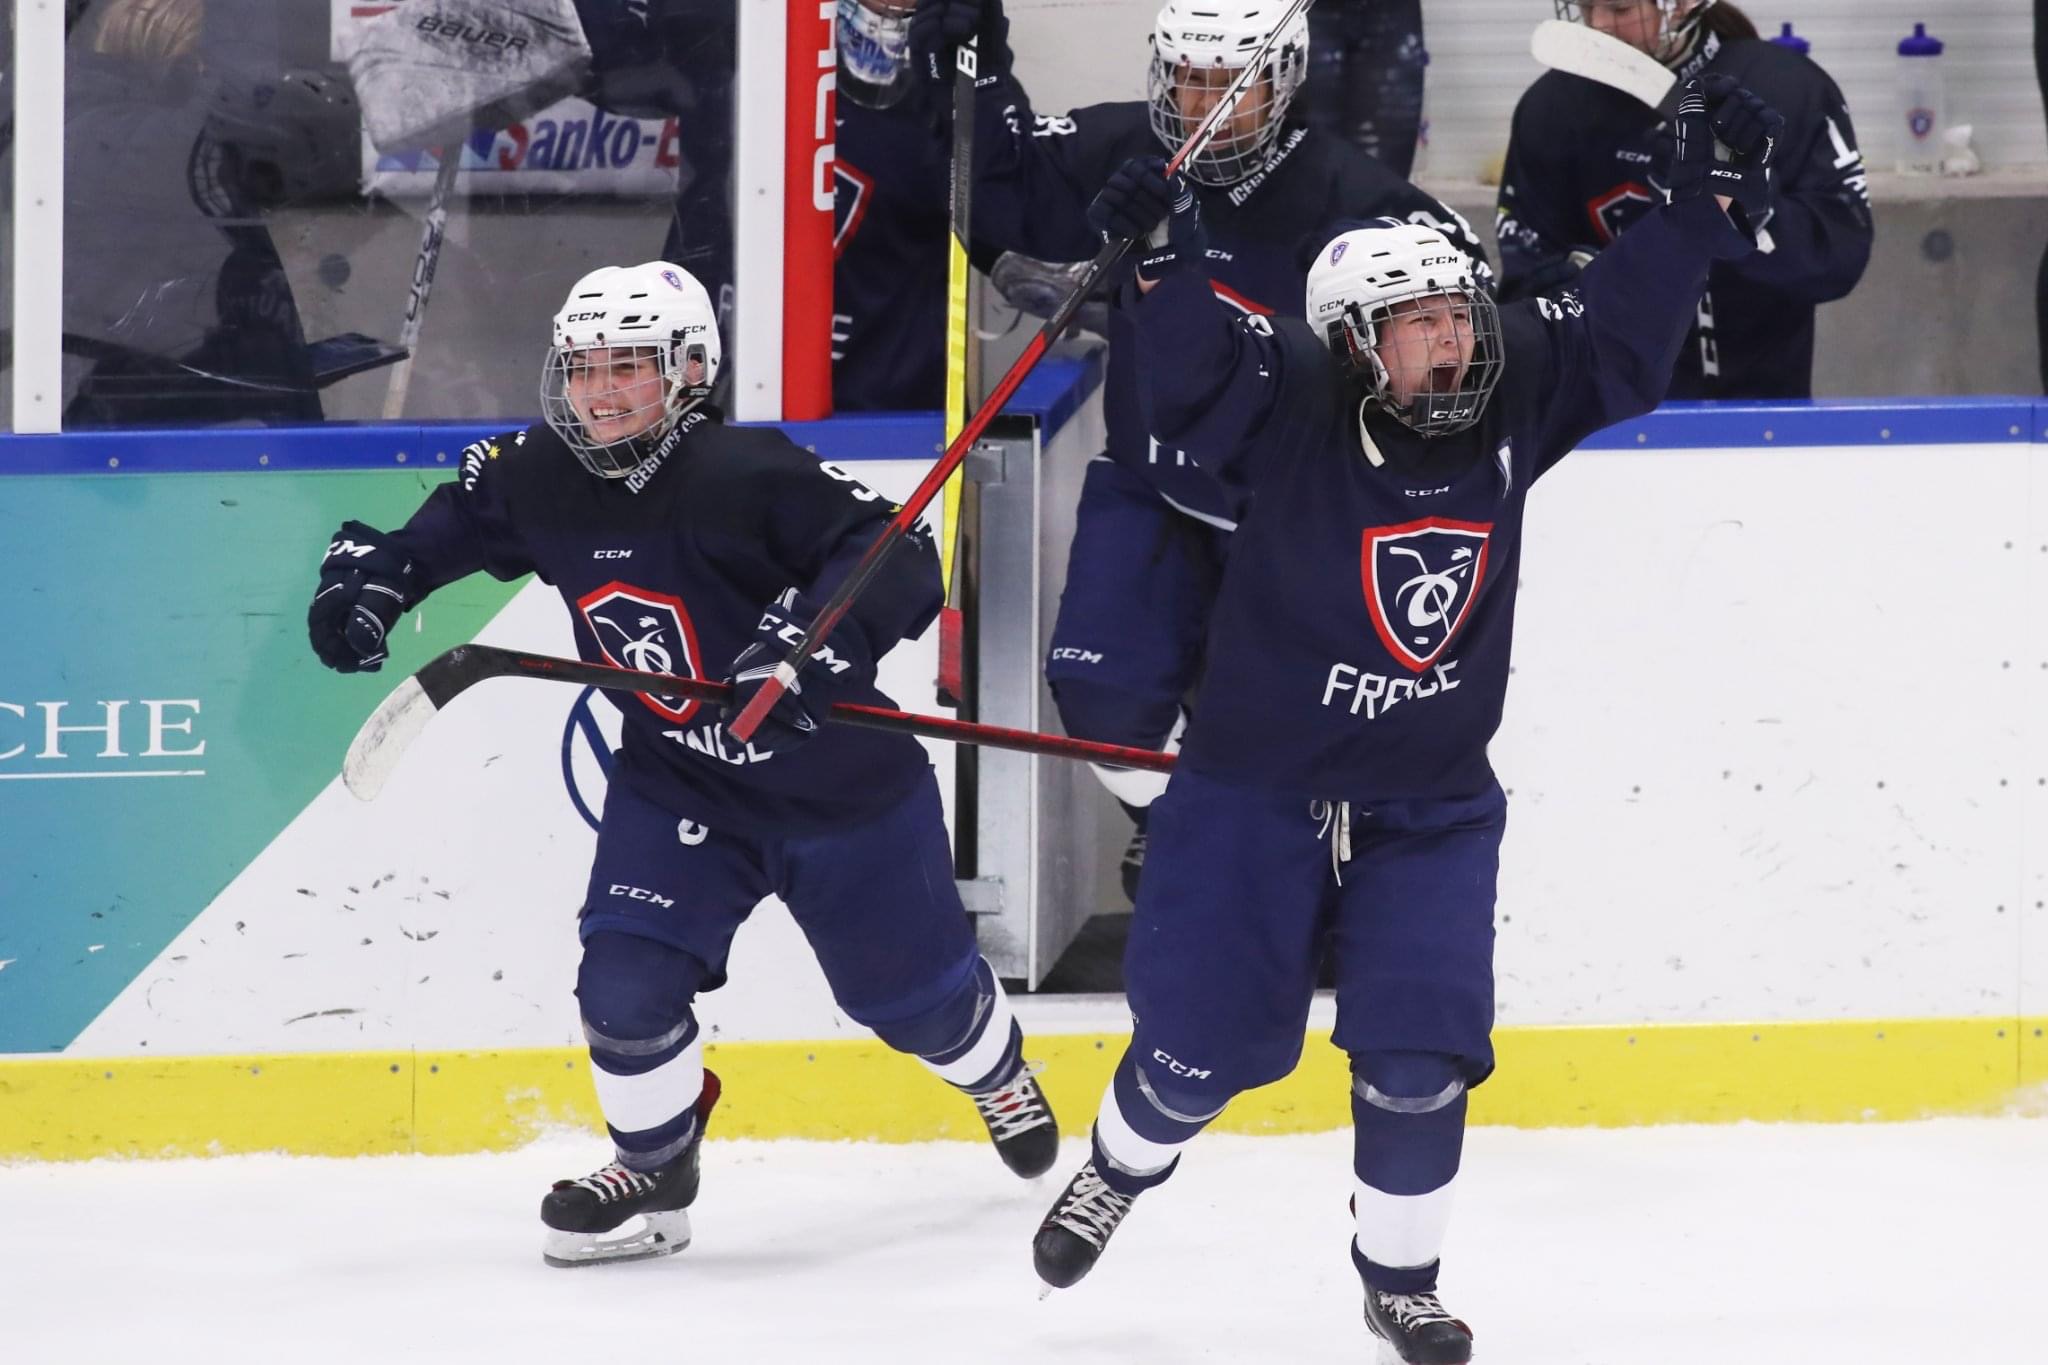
x: 1240, y: 901
x: 1141, y: 582
x: 876, y: 901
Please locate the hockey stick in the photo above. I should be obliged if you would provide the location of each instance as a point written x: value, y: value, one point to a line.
x: 398, y: 720
x: 1113, y: 250
x: 961, y: 353
x: 425, y: 261
x: 1602, y: 58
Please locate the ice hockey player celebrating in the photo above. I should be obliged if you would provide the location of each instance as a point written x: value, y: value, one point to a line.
x: 1334, y: 787
x: 675, y: 540
x: 1151, y: 528
x: 1578, y: 174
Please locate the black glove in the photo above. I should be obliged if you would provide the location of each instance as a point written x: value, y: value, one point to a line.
x: 365, y: 586
x: 940, y: 28
x: 1750, y: 130
x: 1138, y: 198
x: 841, y: 667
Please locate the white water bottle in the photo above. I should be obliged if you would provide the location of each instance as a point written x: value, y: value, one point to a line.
x: 1923, y: 102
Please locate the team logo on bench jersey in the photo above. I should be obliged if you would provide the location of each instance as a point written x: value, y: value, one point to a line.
x: 1420, y: 580
x: 647, y: 631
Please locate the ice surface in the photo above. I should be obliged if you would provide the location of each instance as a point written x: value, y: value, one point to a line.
x: 1672, y: 1246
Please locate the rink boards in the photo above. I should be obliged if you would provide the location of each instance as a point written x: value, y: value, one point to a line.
x: 1775, y: 742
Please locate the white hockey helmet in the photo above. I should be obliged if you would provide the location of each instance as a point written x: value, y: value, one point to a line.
x: 1365, y: 277
x: 874, y: 51
x: 1677, y: 21
x: 1206, y: 43
x: 656, y: 311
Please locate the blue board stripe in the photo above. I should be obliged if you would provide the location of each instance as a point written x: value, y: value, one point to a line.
x: 1053, y: 393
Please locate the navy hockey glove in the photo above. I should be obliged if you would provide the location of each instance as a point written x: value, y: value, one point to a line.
x: 939, y: 28
x: 1750, y: 130
x: 1137, y: 201
x: 365, y: 586
x: 839, y: 668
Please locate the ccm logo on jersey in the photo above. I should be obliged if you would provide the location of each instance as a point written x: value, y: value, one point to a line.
x: 1085, y: 656
x: 634, y: 893
x: 611, y: 554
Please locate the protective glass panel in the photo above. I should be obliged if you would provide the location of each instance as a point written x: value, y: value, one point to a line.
x: 252, y: 191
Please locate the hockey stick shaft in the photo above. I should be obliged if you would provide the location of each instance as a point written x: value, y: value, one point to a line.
x: 425, y: 262
x: 1112, y: 251
x: 385, y: 735
x: 960, y: 359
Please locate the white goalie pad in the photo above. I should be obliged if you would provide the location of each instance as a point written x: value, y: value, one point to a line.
x: 431, y: 70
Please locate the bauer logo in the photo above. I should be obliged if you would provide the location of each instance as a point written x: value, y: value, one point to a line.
x: 649, y: 632
x: 1420, y: 581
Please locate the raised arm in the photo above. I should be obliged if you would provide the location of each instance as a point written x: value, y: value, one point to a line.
x: 1603, y: 351
x: 1814, y: 244
x: 1033, y: 173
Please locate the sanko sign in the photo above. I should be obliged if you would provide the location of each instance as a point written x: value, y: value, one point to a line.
x: 60, y: 739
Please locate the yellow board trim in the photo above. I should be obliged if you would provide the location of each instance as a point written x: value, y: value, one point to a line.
x: 369, y: 1103
x: 956, y: 405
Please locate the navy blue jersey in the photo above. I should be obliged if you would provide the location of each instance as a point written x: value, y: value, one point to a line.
x: 889, y: 262
x: 1359, y: 646
x: 889, y: 246
x: 667, y: 571
x: 1035, y: 175
x: 1578, y: 175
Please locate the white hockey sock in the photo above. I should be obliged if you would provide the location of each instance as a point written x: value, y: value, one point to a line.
x: 986, y: 1049
x: 1140, y: 786
x: 1403, y: 1230
x: 1131, y: 1151
x: 634, y: 1104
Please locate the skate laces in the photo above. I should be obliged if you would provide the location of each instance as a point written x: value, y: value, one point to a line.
x: 1014, y: 1108
x: 613, y: 1182
x: 1410, y: 1311
x: 1091, y: 1209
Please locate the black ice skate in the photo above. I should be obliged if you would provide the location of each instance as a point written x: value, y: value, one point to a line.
x: 1416, y: 1330
x: 1020, y: 1123
x: 578, y: 1213
x: 1071, y: 1239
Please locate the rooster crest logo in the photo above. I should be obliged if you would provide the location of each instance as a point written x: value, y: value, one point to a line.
x: 649, y: 632
x: 1420, y: 580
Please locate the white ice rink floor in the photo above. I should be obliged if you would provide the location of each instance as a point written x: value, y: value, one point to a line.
x: 1672, y: 1246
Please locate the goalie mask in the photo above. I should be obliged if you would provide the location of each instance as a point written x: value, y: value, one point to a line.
x: 1198, y: 49
x: 874, y: 51
x: 635, y: 347
x: 1663, y: 28
x: 1401, y: 309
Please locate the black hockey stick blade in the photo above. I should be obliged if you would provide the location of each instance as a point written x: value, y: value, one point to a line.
x: 375, y: 752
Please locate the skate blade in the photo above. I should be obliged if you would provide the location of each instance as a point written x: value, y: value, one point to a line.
x: 664, y: 1234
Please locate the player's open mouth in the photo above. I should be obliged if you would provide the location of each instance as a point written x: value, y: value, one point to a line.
x: 1445, y: 378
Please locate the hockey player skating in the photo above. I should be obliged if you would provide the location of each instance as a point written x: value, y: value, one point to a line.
x: 1334, y: 792
x: 679, y: 543
x: 1152, y: 527
x: 1579, y: 173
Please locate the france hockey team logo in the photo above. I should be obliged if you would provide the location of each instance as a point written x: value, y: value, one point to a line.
x: 1420, y: 581
x: 647, y: 631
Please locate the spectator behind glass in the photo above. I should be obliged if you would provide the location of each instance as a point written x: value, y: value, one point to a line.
x: 1578, y: 175
x: 1365, y: 72
x: 183, y: 130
